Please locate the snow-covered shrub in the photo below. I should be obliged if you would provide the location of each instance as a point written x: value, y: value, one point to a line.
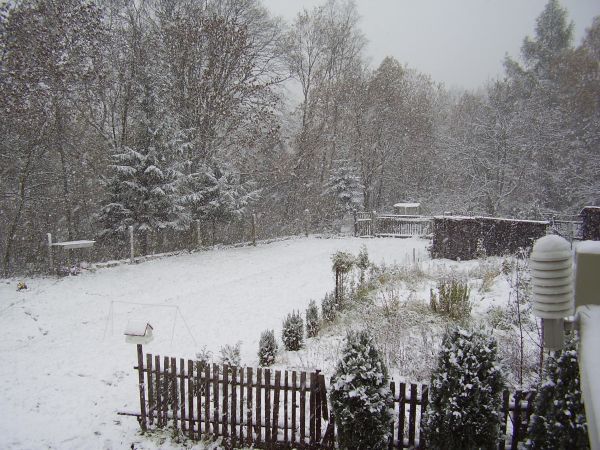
x: 267, y: 348
x: 452, y: 299
x: 559, y: 420
x: 342, y: 263
x: 465, y: 393
x: 312, y: 319
x: 292, y: 334
x: 230, y: 354
x: 362, y: 262
x: 360, y: 395
x: 329, y: 307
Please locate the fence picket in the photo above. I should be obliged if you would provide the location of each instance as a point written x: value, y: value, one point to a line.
x: 302, y: 438
x: 505, y: 417
x: 151, y: 403
x: 165, y: 392
x: 276, y: 393
x: 311, y: 408
x: 207, y: 409
x: 215, y: 395
x: 159, y: 421
x: 285, y: 407
x: 294, y: 381
x: 182, y: 395
x: 232, y: 427
x: 249, y: 377
x: 173, y: 386
x: 258, y: 405
x: 401, y: 414
x: 412, y: 415
x: 190, y: 378
x: 391, y: 442
x: 267, y: 374
x: 225, y: 407
x: 424, y: 402
x: 516, y: 421
x: 242, y: 385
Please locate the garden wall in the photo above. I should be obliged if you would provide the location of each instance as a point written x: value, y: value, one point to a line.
x: 590, y: 215
x: 457, y: 237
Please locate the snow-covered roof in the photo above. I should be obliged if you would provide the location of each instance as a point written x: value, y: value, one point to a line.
x: 589, y: 367
x: 75, y: 244
x: 137, y: 328
x: 407, y: 205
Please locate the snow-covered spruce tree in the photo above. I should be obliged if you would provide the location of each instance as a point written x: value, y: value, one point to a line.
x: 312, y: 319
x: 292, y: 334
x: 329, y: 307
x: 360, y: 395
x: 465, y: 393
x: 267, y: 348
x: 344, y: 187
x: 559, y: 417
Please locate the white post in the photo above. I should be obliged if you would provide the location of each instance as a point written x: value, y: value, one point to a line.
x: 131, y: 252
x: 198, y: 235
x: 254, y: 229
x: 50, y: 256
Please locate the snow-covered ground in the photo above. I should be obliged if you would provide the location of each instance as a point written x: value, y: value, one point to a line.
x: 67, y: 370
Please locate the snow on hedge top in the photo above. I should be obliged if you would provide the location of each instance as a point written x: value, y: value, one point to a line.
x: 504, y: 219
x: 590, y: 247
x: 407, y: 205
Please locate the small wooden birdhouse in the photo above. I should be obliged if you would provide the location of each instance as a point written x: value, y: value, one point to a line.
x: 138, y: 332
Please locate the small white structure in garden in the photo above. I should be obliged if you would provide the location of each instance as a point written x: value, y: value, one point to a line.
x: 407, y: 209
x: 138, y: 332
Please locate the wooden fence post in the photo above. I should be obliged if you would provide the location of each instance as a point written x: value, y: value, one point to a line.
x: 373, y: 220
x: 140, y: 356
x: 131, y: 252
x: 306, y: 221
x: 254, y: 229
x: 50, y: 255
x: 355, y: 216
x: 198, y: 235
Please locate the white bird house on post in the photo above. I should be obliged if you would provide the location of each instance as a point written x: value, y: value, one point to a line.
x: 138, y: 332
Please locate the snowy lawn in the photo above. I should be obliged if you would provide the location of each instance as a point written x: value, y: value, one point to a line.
x: 66, y: 367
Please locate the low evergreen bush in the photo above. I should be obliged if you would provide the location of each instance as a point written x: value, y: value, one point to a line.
x: 292, y: 334
x: 267, y: 348
x: 465, y: 393
x: 329, y: 307
x: 559, y: 419
x: 360, y: 395
x: 312, y: 320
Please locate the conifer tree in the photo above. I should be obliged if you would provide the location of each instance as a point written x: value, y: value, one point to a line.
x: 559, y: 420
x: 292, y: 334
x: 465, y: 393
x: 312, y: 319
x: 360, y: 396
x: 267, y: 348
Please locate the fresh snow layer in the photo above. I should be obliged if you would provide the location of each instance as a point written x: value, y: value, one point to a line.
x: 66, y: 367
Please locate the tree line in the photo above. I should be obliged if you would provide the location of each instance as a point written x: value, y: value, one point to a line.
x: 162, y: 114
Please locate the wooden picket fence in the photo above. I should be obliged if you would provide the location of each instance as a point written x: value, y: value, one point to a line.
x: 244, y: 406
x: 390, y: 225
x: 269, y: 409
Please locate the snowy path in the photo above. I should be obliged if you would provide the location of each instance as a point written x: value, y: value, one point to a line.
x: 67, y: 370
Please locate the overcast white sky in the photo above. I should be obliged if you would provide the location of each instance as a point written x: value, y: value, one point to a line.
x: 458, y: 42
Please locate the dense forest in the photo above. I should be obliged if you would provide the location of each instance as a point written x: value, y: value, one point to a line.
x: 169, y: 115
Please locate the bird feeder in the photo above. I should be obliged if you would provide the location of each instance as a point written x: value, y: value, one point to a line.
x: 138, y: 332
x: 551, y: 276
